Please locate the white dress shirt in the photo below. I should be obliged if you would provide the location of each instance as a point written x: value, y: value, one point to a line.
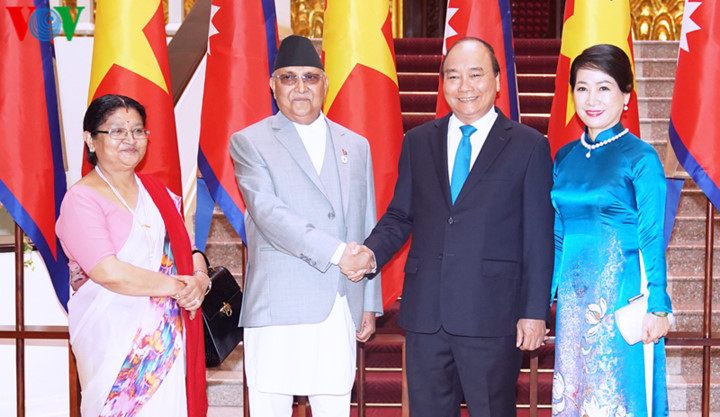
x: 477, y: 139
x: 314, y: 137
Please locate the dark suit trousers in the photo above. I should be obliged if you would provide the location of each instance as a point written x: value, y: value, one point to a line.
x: 442, y: 368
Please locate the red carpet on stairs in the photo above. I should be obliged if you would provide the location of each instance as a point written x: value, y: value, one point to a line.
x: 418, y: 66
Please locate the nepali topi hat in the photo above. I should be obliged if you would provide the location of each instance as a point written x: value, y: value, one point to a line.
x: 297, y: 51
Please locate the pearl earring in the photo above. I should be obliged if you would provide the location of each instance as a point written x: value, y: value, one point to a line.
x: 625, y: 107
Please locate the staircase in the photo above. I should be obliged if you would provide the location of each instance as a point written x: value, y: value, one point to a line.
x: 418, y: 61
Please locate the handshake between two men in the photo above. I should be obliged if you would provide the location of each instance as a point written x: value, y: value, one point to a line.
x: 357, y: 261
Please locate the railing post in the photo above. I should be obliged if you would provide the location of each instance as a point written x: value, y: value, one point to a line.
x: 533, y: 400
x: 360, y: 379
x: 73, y: 384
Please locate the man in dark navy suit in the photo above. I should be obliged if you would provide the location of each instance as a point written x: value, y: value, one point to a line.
x: 473, y: 190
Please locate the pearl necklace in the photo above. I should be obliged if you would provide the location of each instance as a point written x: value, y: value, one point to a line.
x: 590, y: 147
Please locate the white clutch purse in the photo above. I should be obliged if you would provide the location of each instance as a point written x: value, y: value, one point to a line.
x: 629, y: 318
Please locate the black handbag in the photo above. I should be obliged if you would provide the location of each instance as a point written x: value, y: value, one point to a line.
x: 220, y: 313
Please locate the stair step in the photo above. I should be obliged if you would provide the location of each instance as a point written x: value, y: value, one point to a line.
x: 691, y: 230
x: 687, y: 360
x: 538, y: 121
x: 536, y: 83
x: 418, y: 63
x: 411, y: 120
x: 408, y: 82
x: 684, y: 290
x: 382, y: 387
x: 225, y: 388
x: 522, y: 389
x: 656, y: 49
x: 221, y: 228
x: 684, y: 393
x: 224, y: 411
x: 536, y: 64
x: 535, y: 102
x: 654, y: 107
x: 227, y: 253
x: 546, y: 358
x: 418, y: 46
x: 689, y: 317
x: 418, y: 101
x: 536, y: 46
x: 383, y: 355
x: 655, y: 86
x: 654, y: 129
x: 688, y: 260
x: 655, y: 67
x: 692, y: 202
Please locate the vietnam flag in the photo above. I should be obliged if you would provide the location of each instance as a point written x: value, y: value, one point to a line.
x: 588, y: 23
x: 491, y: 21
x: 358, y: 52
x: 694, y: 133
x: 32, y: 175
x: 130, y: 58
x: 241, y: 50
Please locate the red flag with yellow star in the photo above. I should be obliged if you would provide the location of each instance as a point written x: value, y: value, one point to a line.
x: 588, y: 23
x: 130, y: 58
x: 358, y: 52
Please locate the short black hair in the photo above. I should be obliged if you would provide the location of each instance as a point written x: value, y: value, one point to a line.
x: 493, y: 58
x: 606, y: 58
x: 98, y: 112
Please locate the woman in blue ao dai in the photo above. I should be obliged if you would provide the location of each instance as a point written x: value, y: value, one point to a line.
x: 609, y: 199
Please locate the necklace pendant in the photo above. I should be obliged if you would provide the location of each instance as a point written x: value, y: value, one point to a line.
x: 587, y: 155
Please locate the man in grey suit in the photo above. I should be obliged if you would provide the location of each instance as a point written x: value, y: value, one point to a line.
x: 308, y: 186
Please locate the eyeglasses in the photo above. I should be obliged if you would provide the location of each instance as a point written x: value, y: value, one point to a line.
x: 121, y: 133
x: 291, y: 79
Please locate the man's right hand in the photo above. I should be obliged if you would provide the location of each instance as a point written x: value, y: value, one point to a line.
x: 356, y: 261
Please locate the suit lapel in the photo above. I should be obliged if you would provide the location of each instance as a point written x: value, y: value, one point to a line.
x: 342, y: 160
x: 287, y: 135
x: 498, y: 137
x: 439, y: 152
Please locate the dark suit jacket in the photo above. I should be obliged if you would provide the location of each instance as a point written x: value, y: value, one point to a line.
x: 477, y: 266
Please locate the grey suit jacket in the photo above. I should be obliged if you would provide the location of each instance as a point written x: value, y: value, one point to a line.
x: 289, y: 224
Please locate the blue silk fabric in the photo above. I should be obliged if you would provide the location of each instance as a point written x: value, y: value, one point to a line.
x: 608, y: 207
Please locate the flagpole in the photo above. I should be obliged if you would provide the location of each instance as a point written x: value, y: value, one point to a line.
x: 19, y: 321
x: 707, y: 312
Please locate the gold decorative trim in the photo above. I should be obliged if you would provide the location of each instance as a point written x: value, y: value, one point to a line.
x: 307, y: 17
x: 188, y: 5
x: 657, y: 19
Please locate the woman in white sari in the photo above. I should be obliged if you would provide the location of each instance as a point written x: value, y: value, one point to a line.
x: 133, y: 274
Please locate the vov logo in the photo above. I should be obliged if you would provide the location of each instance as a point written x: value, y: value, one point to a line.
x: 44, y: 23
